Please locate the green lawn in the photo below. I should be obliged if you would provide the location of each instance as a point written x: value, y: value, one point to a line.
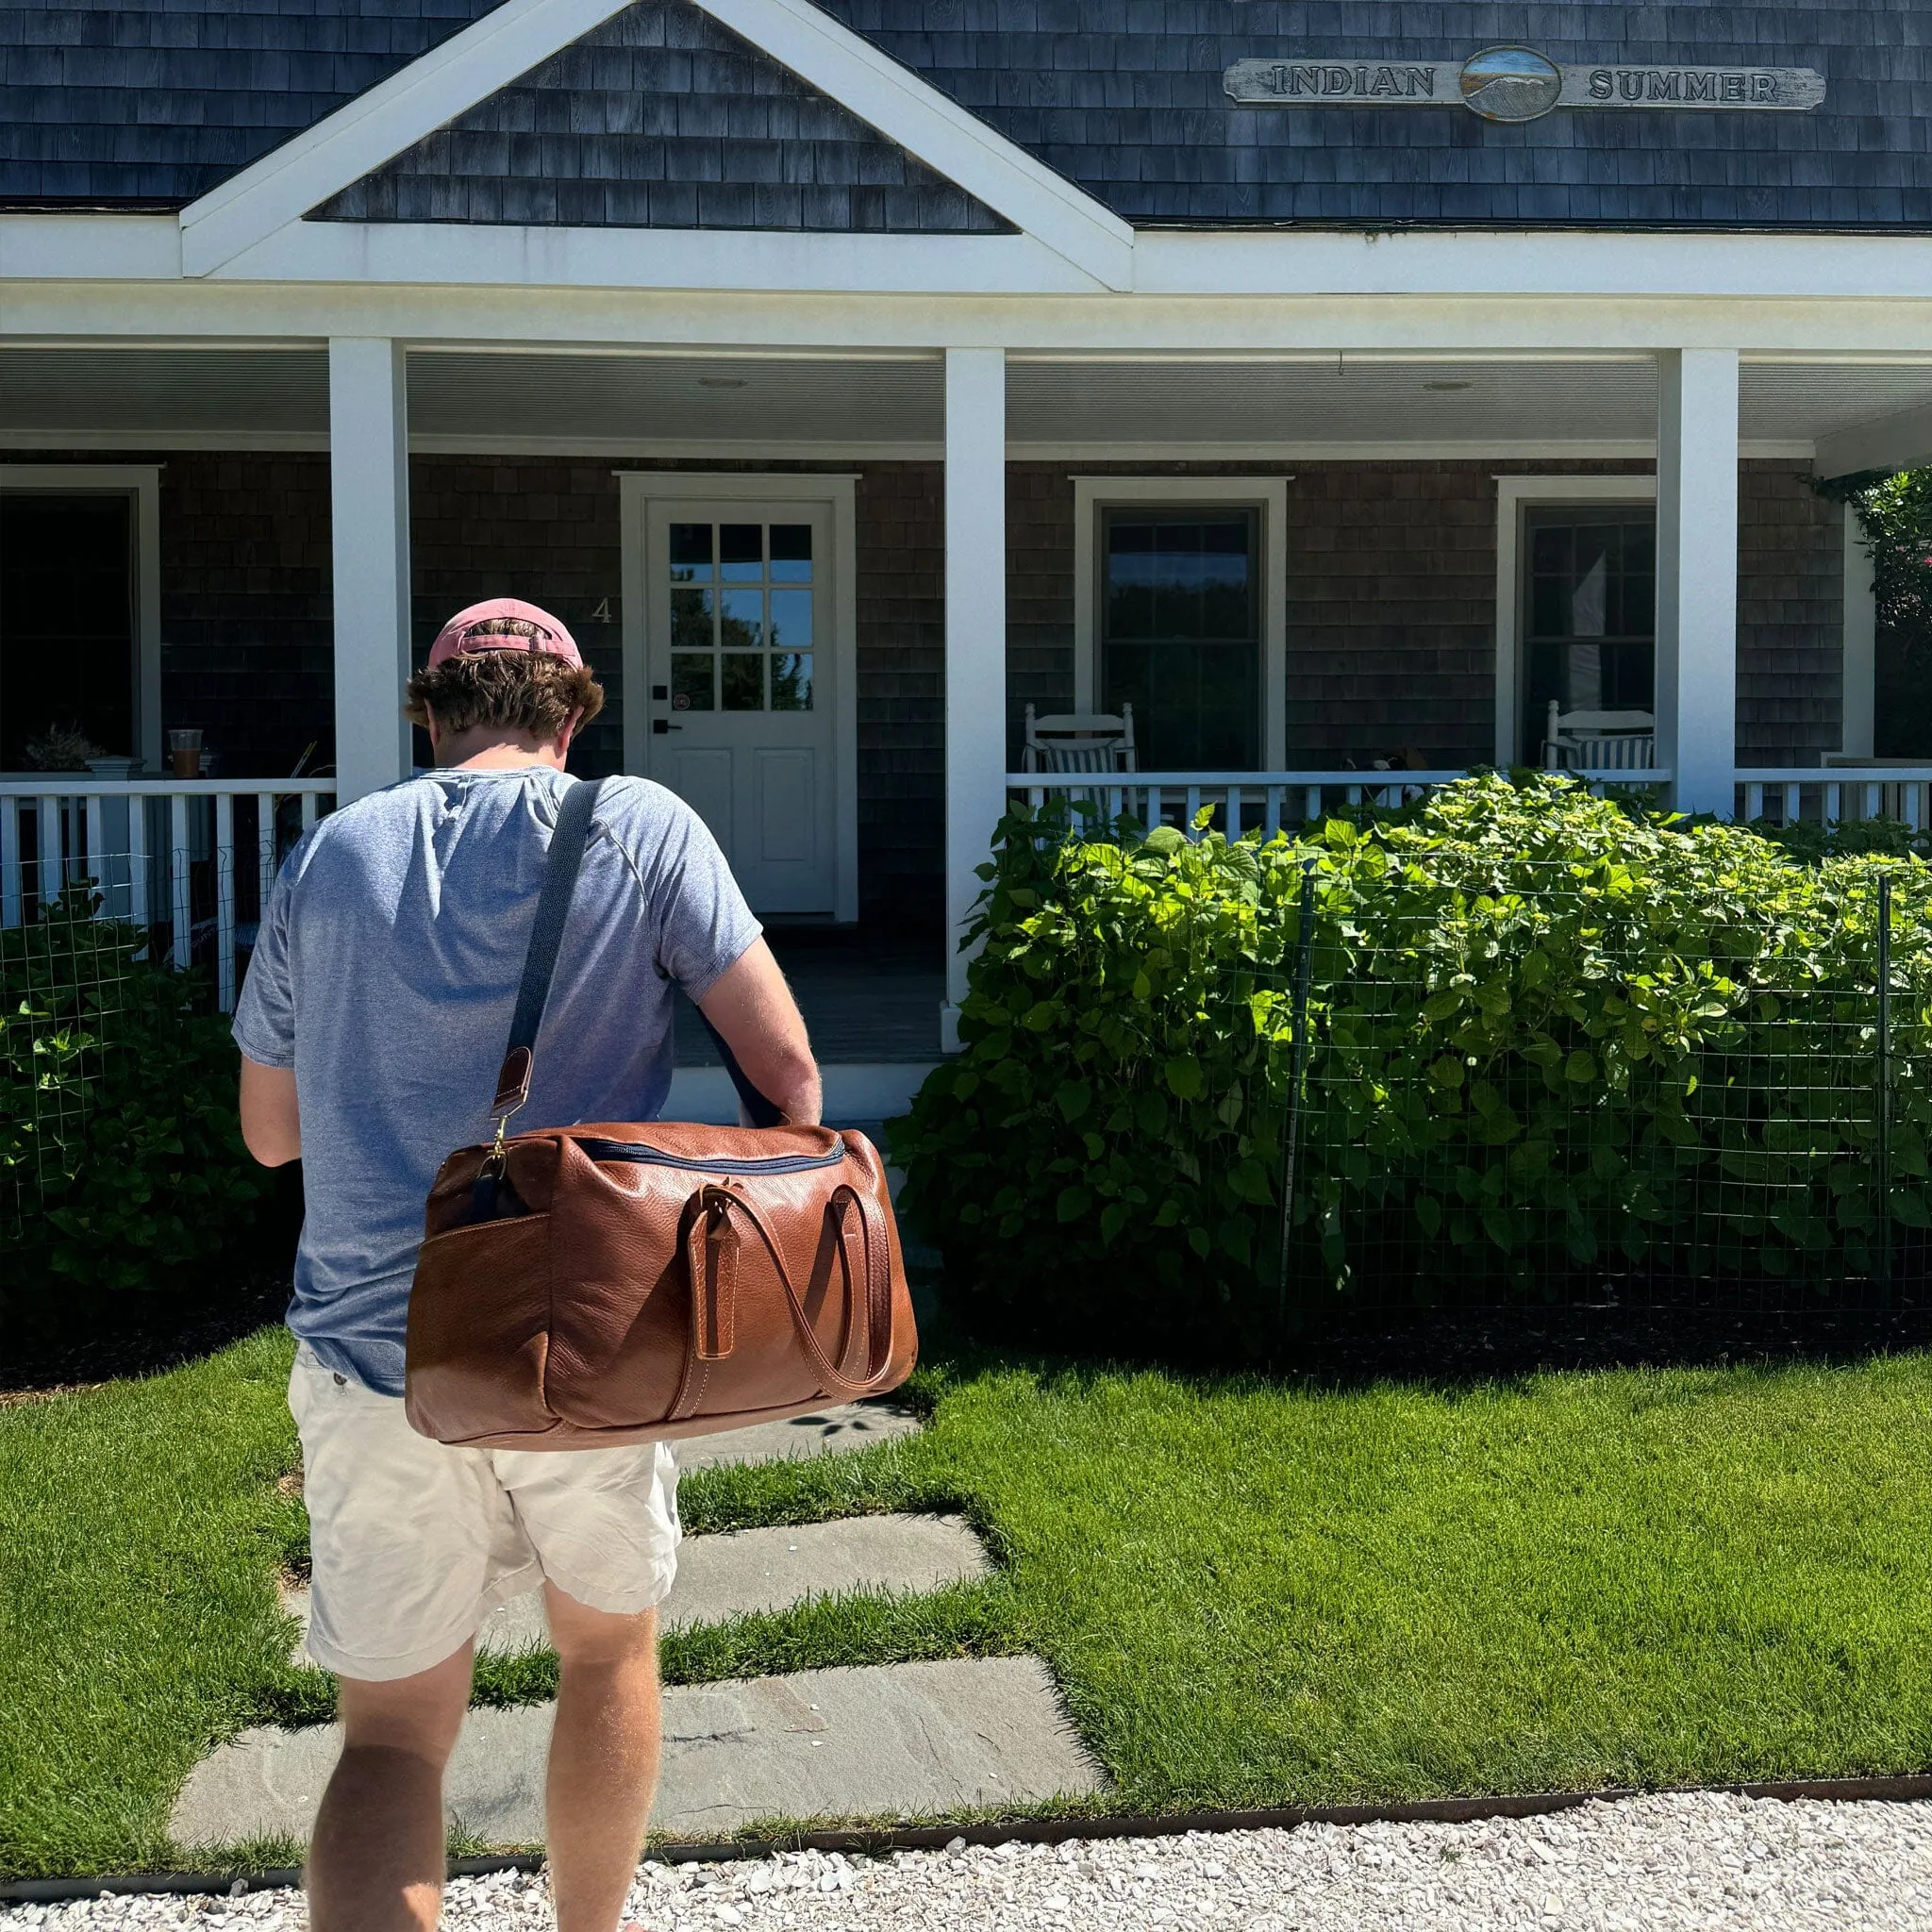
x: 1251, y: 1593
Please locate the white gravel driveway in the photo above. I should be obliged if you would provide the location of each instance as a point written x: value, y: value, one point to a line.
x: 1665, y: 1864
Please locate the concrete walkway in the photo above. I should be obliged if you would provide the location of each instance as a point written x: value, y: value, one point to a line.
x: 893, y: 1740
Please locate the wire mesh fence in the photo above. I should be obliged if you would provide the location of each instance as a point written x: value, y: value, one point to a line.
x: 78, y: 970
x: 1513, y: 1090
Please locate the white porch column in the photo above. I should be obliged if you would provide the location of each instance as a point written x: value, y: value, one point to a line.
x: 975, y: 638
x: 368, y: 507
x: 1697, y: 575
x: 1861, y: 643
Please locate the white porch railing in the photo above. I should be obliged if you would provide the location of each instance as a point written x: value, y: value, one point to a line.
x: 1836, y: 793
x: 161, y: 852
x: 1263, y: 800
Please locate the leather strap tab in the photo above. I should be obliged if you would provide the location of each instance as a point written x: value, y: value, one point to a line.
x: 716, y: 1310
x: 513, y: 1082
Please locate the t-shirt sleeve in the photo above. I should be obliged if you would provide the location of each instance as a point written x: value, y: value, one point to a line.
x: 265, y: 1014
x: 703, y: 926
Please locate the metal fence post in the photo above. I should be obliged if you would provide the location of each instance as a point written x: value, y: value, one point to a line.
x: 1884, y: 1096
x: 1304, y: 961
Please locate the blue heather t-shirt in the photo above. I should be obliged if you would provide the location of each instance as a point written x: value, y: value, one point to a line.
x: 385, y: 975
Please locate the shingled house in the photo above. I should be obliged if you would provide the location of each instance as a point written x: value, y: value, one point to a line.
x: 1344, y: 390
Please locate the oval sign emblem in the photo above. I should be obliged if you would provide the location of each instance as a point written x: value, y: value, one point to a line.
x: 1510, y: 84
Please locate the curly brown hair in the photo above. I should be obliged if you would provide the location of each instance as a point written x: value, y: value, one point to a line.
x: 523, y: 690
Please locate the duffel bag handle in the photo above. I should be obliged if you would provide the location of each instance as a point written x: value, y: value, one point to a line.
x: 711, y: 1237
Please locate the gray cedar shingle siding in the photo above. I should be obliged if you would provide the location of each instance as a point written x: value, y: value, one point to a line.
x: 157, y: 104
x: 1125, y: 98
x: 662, y: 118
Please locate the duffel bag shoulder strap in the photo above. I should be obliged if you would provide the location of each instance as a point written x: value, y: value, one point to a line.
x: 560, y: 868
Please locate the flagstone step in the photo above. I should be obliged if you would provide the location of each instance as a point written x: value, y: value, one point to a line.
x: 729, y: 1576
x: 886, y: 1741
x: 839, y: 1425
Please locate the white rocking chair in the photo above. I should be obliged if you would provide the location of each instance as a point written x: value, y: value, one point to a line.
x: 1599, y: 741
x: 1079, y: 741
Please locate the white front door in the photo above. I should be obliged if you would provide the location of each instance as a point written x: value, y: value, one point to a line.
x: 742, y: 687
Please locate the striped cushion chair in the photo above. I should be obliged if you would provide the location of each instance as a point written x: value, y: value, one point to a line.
x: 1599, y: 741
x: 1080, y: 741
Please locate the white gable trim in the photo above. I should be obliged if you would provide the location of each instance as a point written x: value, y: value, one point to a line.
x: 278, y: 190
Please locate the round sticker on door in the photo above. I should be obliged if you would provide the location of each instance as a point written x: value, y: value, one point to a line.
x: 681, y: 701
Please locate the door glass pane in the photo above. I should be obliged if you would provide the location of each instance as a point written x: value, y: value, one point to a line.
x: 744, y: 681
x: 1180, y: 634
x: 762, y: 611
x: 790, y: 620
x: 792, y: 681
x: 742, y: 552
x: 1590, y: 614
x: 742, y: 625
x: 690, y: 681
x: 691, y: 552
x: 791, y: 553
x: 690, y: 620
x: 67, y: 652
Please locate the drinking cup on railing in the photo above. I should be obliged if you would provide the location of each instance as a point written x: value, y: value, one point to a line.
x: 184, y: 753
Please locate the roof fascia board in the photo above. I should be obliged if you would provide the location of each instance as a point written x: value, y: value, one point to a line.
x: 1788, y: 329
x: 282, y: 187
x: 454, y: 255
x: 1556, y: 264
x: 88, y: 247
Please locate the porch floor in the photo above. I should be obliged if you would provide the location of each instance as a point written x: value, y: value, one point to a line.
x: 868, y: 995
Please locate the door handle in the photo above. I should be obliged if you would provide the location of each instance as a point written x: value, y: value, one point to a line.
x: 663, y: 724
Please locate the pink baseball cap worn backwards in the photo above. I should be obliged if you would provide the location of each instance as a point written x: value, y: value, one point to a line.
x: 502, y: 624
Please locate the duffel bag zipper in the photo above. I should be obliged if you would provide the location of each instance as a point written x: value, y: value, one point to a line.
x: 655, y: 1156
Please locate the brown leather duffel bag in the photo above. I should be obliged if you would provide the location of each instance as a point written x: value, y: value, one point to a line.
x: 589, y: 1286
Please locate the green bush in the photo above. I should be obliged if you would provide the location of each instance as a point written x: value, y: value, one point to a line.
x: 1549, y: 1038
x: 120, y: 1159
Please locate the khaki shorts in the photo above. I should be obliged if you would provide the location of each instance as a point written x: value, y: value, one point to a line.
x: 414, y: 1543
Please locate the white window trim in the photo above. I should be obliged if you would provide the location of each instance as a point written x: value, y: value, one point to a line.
x: 1514, y: 495
x: 142, y: 482
x: 636, y: 489
x: 1269, y: 494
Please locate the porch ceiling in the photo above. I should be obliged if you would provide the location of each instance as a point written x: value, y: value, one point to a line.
x: 749, y: 399
x: 748, y: 402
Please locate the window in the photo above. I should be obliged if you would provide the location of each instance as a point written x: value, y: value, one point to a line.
x: 1589, y: 611
x: 741, y: 617
x: 68, y: 654
x: 1181, y: 633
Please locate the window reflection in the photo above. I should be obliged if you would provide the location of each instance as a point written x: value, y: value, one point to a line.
x: 1180, y: 634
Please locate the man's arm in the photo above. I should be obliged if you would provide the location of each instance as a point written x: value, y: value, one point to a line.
x: 752, y: 1008
x: 269, y: 1123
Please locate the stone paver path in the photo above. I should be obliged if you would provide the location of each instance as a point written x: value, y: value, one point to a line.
x: 890, y: 1740
x: 721, y: 1577
x: 839, y: 1425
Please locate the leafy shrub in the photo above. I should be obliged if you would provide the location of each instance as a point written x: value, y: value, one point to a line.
x: 1548, y: 1039
x: 120, y: 1154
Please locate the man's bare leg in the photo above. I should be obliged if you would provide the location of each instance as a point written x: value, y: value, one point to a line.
x: 603, y: 1757
x: 377, y: 1862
